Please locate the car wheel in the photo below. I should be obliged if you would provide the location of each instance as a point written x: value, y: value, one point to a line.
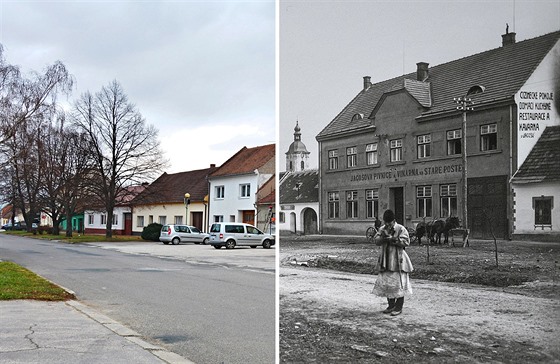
x: 253, y: 246
x: 217, y: 246
x: 205, y: 241
x: 230, y: 244
x: 175, y: 241
x: 266, y: 244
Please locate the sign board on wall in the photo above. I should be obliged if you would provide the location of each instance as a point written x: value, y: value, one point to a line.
x: 537, y: 102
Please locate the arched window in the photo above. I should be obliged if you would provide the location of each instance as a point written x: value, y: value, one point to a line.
x: 357, y: 117
x: 302, y: 165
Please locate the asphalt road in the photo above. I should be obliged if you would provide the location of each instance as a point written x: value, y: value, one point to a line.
x: 208, y: 313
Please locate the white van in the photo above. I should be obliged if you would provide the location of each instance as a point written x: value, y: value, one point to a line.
x: 232, y: 234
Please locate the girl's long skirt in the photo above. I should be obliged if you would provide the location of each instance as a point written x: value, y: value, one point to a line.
x: 392, y: 285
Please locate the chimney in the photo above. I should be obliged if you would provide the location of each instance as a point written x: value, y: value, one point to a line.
x: 212, y: 165
x: 422, y: 73
x: 508, y: 38
x: 367, y: 82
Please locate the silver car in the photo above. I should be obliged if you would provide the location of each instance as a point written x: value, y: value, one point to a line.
x: 176, y: 234
x: 232, y: 234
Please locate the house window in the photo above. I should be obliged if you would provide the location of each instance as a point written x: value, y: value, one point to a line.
x: 372, y: 203
x: 115, y: 219
x: 396, y: 150
x: 178, y: 220
x: 334, y: 205
x: 218, y: 218
x: 423, y: 201
x: 245, y: 190
x: 352, y: 204
x: 351, y: 157
x: 103, y: 219
x: 424, y: 143
x: 220, y: 192
x: 543, y: 210
x: 333, y: 159
x: 163, y: 220
x: 150, y: 219
x: 302, y: 165
x: 90, y: 219
x: 140, y: 221
x: 488, y: 137
x: 282, y: 217
x: 448, y: 194
x: 454, y: 142
x: 371, y: 154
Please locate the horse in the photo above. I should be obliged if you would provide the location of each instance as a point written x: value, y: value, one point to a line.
x: 420, y: 231
x: 437, y: 227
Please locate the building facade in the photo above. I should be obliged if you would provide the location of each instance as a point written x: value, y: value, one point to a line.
x: 233, y: 186
x: 399, y: 143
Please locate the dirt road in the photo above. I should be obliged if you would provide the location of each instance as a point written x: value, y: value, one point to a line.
x: 328, y: 316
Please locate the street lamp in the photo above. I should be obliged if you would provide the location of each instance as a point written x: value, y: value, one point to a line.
x: 187, y: 202
x: 464, y: 104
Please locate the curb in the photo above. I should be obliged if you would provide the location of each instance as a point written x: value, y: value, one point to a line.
x: 128, y: 334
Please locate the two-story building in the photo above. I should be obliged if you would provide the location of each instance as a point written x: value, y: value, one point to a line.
x: 233, y: 186
x: 400, y: 142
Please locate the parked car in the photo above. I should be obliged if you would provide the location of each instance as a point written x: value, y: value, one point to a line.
x: 17, y: 226
x: 176, y: 234
x: 232, y: 234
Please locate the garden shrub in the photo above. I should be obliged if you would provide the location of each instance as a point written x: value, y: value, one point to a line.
x: 152, y: 231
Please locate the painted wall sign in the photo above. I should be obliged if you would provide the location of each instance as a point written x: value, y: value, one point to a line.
x: 394, y: 173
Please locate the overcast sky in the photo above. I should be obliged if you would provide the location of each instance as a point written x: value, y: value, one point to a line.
x: 326, y: 47
x: 202, y: 72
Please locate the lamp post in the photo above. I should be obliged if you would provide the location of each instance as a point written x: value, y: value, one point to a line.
x: 187, y: 202
x: 464, y: 104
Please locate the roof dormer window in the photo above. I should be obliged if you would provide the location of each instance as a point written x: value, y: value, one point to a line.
x: 357, y: 117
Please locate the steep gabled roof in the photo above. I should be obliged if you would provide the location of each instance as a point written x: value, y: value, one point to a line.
x: 502, y: 71
x: 171, y: 188
x: 543, y: 162
x: 300, y: 187
x: 246, y: 160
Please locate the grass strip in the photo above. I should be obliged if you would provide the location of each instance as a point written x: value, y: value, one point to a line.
x: 18, y: 283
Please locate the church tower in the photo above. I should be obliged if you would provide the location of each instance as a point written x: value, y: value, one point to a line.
x: 297, y: 156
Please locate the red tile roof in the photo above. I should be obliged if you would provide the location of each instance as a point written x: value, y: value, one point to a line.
x: 171, y: 188
x: 502, y: 71
x: 247, y: 160
x: 543, y: 162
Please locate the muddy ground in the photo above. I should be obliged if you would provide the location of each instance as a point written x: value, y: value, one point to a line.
x: 328, y: 314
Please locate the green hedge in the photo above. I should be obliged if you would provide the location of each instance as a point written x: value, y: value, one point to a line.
x: 152, y: 231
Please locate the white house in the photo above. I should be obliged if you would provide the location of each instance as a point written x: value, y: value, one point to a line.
x: 233, y: 186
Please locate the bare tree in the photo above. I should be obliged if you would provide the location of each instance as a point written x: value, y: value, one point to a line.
x: 126, y: 150
x: 67, y: 165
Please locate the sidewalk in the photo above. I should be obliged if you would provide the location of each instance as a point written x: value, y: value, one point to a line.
x: 71, y: 332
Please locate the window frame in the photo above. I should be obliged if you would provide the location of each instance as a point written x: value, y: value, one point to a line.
x: 448, y: 200
x: 244, y: 190
x: 220, y: 192
x: 424, y: 146
x: 424, y: 201
x: 351, y: 157
x: 489, y: 137
x: 140, y: 221
x: 396, y: 150
x: 372, y: 203
x: 333, y: 159
x: 333, y: 198
x: 538, y: 220
x: 455, y: 142
x: 352, y: 204
x: 371, y: 154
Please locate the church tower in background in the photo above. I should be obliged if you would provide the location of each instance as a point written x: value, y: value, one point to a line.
x: 297, y: 156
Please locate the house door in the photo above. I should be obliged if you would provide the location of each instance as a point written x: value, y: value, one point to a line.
x: 249, y: 217
x: 396, y: 203
x: 127, y: 223
x: 309, y: 221
x: 293, y: 222
x: 196, y: 219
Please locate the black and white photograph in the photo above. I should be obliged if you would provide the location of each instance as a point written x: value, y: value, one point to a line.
x: 418, y: 147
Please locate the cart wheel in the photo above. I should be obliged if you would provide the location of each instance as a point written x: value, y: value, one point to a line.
x: 370, y: 233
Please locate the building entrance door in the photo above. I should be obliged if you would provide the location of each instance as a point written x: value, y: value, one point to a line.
x: 249, y: 217
x: 309, y: 221
x: 396, y: 203
x: 196, y: 219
